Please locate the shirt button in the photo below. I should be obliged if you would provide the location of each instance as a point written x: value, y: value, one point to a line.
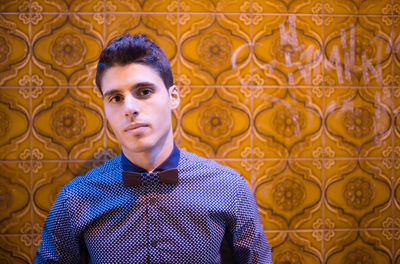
x: 153, y: 244
x: 153, y: 200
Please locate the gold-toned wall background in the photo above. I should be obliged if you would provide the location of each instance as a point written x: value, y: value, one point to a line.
x: 302, y: 97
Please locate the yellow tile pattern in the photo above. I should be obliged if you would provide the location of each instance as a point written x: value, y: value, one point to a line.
x: 302, y: 97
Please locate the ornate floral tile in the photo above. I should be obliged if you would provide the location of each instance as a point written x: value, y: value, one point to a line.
x: 358, y: 123
x: 76, y: 121
x: 361, y: 7
x: 358, y: 51
x: 396, y: 128
x: 287, y: 50
x: 396, y: 250
x: 15, y: 205
x: 215, y: 122
x: 287, y: 122
x: 214, y: 6
x: 396, y: 88
x: 143, y: 6
x: 358, y: 193
x: 71, y: 6
x: 17, y: 249
x: 396, y: 56
x: 297, y: 247
x: 66, y: 48
x: 353, y: 247
x: 395, y: 223
x: 15, y: 6
x: 14, y: 124
x: 289, y: 194
x: 215, y: 50
x: 289, y: 6
x: 14, y: 38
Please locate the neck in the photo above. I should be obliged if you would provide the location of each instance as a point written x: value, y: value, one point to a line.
x: 150, y: 159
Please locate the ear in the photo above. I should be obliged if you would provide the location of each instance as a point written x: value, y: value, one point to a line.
x: 174, y: 96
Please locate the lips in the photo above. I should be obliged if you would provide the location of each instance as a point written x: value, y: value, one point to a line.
x: 137, y: 127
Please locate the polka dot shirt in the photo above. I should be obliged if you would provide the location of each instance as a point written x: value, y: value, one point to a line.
x: 95, y: 219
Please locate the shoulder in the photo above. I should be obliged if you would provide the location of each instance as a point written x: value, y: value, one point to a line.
x: 196, y: 167
x: 106, y: 174
x: 213, y: 180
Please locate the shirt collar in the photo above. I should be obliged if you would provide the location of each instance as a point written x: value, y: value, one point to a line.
x: 170, y: 163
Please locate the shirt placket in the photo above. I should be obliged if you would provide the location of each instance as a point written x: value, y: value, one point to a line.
x: 152, y: 220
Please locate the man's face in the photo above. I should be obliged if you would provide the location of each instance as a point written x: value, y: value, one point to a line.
x: 138, y: 107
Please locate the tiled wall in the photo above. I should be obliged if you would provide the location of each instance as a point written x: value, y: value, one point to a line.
x: 302, y: 97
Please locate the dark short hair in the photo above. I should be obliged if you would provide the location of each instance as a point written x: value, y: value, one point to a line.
x: 127, y: 49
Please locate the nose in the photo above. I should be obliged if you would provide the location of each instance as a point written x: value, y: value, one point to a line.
x: 131, y: 107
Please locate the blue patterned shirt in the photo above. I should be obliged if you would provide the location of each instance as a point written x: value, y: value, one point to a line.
x: 95, y: 219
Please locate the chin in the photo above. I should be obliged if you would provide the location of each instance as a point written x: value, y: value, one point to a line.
x: 138, y: 147
x: 144, y: 144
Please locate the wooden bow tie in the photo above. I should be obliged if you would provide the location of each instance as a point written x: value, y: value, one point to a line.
x: 131, y: 179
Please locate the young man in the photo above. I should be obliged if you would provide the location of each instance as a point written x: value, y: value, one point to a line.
x: 154, y: 203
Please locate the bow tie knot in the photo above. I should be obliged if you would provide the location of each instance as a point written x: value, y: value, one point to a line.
x: 131, y: 179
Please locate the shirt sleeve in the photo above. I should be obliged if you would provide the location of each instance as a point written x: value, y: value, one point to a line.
x: 249, y: 243
x: 59, y: 244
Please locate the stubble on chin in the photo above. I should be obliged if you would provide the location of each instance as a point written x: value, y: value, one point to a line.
x: 135, y: 147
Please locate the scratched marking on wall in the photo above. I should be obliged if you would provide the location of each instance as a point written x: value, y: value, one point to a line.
x: 351, y: 55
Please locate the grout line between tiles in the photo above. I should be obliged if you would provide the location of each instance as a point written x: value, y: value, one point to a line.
x: 178, y: 81
x: 323, y: 131
x: 103, y: 114
x: 393, y: 143
x: 195, y: 13
x: 354, y: 229
x: 252, y: 172
x: 222, y: 86
x: 30, y: 130
x: 225, y: 159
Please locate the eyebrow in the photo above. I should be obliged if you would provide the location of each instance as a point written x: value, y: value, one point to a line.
x: 138, y: 85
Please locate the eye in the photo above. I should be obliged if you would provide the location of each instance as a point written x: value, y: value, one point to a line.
x: 144, y: 92
x: 115, y: 99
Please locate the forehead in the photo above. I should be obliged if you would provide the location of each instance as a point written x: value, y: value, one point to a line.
x: 118, y: 76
